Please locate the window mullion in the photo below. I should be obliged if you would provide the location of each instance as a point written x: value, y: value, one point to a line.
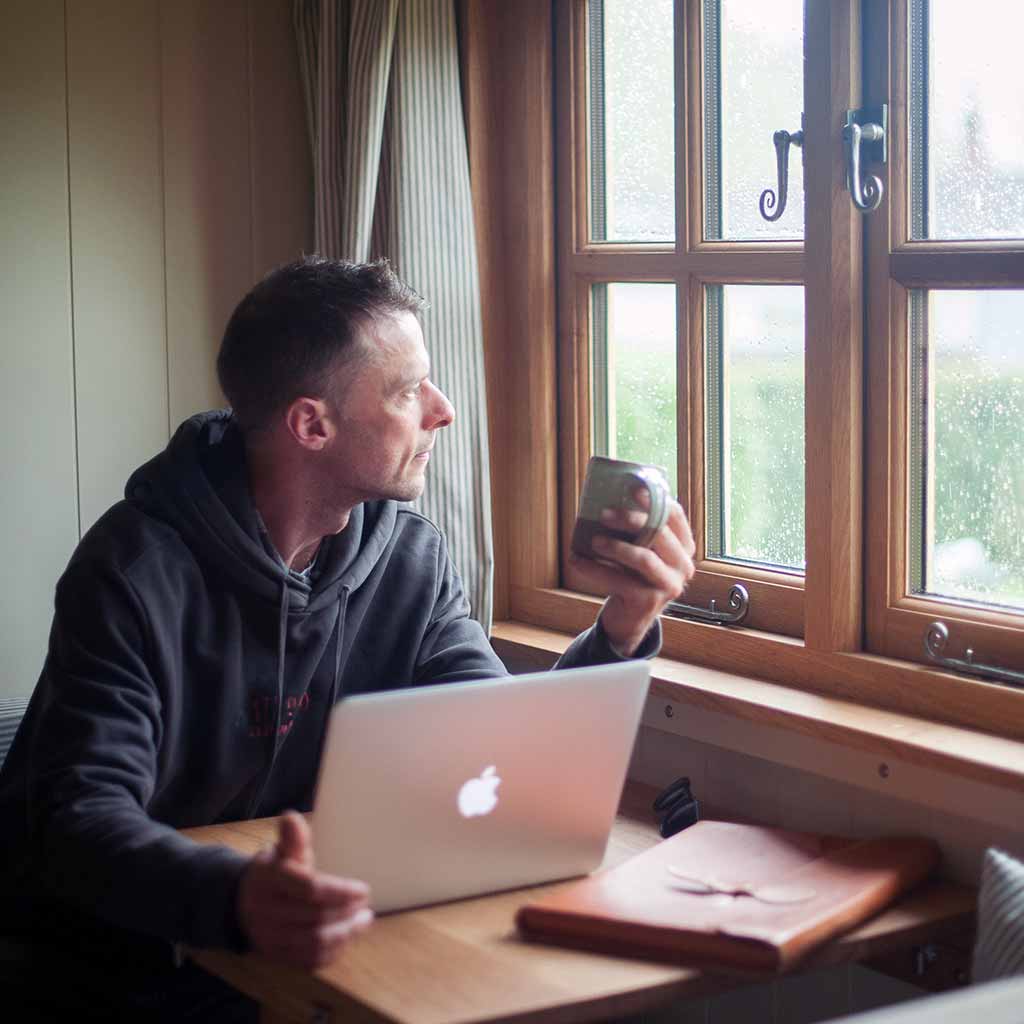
x: 833, y: 416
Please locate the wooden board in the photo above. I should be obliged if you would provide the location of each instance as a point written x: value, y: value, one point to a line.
x: 464, y: 961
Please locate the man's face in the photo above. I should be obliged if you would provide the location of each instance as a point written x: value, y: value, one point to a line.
x: 387, y: 413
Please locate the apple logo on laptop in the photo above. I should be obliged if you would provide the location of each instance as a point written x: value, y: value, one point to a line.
x: 478, y: 796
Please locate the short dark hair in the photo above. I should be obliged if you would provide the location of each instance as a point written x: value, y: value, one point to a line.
x: 294, y: 328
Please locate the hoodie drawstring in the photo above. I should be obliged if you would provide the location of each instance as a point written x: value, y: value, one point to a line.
x: 282, y: 643
x: 336, y: 684
x: 342, y: 608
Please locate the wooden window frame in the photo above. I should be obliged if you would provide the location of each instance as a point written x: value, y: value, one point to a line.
x: 897, y: 621
x: 777, y: 597
x: 509, y: 69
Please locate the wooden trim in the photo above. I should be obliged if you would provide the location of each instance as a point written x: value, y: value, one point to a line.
x: 960, y: 611
x: 776, y: 604
x: 685, y: 158
x: 792, y: 581
x: 748, y: 249
x: 692, y: 363
x: 755, y: 266
x: 576, y: 441
x: 888, y: 22
x: 833, y: 381
x: 747, y: 268
x: 571, y: 199
x: 917, y: 267
x: 888, y: 734
x: 527, y: 120
x: 573, y: 128
x: 865, y: 679
x: 885, y: 553
x: 617, y: 265
x: 962, y: 247
x: 630, y: 249
x: 690, y: 126
x: 886, y: 438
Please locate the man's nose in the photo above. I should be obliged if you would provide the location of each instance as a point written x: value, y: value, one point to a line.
x: 442, y: 412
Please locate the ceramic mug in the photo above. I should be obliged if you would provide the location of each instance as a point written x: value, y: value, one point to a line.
x: 609, y: 484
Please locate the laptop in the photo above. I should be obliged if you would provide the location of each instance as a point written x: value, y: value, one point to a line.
x: 436, y: 793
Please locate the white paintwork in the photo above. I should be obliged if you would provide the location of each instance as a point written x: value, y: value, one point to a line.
x: 38, y: 488
x: 946, y: 792
x: 117, y: 257
x: 183, y: 127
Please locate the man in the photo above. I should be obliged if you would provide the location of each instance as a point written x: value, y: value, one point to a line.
x: 258, y: 569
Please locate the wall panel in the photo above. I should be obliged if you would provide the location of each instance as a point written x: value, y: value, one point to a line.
x: 282, y: 172
x: 38, y: 505
x: 207, y: 188
x: 158, y: 150
x: 117, y: 243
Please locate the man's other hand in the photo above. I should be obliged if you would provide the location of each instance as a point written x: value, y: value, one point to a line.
x: 639, y: 581
x: 292, y: 913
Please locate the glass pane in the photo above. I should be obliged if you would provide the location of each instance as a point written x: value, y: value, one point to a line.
x: 967, y: 119
x: 632, y: 158
x: 633, y: 330
x: 755, y: 423
x: 753, y: 81
x: 968, y: 448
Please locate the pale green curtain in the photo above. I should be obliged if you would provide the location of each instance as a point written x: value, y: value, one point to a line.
x: 391, y: 176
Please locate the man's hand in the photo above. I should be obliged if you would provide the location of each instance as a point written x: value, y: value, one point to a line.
x: 293, y: 913
x: 639, y: 581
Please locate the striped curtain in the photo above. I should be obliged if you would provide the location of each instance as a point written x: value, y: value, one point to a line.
x: 391, y: 172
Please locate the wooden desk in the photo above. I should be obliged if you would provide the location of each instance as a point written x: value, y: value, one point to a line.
x: 463, y: 962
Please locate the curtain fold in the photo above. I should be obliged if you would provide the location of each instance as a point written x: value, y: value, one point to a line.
x: 391, y: 178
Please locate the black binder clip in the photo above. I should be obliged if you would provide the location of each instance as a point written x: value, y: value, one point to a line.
x: 677, y: 806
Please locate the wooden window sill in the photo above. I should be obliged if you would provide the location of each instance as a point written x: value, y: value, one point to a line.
x: 917, y: 691
x: 955, y: 769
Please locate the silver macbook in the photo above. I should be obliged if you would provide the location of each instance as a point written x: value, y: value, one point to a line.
x: 439, y: 792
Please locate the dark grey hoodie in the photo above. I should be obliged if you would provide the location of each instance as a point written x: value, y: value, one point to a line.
x: 188, y: 681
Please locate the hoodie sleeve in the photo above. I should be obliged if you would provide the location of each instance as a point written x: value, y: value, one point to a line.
x: 456, y: 648
x: 592, y: 647
x: 92, y: 768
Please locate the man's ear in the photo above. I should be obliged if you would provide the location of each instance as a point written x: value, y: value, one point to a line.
x: 310, y: 423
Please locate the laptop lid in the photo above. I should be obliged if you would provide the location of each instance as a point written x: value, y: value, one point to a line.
x: 439, y: 792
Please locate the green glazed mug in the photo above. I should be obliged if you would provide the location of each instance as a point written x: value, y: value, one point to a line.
x: 609, y: 484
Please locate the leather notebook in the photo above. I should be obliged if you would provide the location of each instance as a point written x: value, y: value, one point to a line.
x: 726, y: 896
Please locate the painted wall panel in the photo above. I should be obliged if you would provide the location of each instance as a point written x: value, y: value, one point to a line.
x: 38, y: 503
x: 207, y: 188
x: 152, y: 105
x: 282, y: 173
x: 117, y: 243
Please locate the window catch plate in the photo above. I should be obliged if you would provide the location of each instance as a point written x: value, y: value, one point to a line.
x: 935, y: 639
x: 739, y: 604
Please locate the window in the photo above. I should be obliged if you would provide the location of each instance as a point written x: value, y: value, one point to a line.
x: 837, y: 396
x: 668, y: 248
x: 945, y: 335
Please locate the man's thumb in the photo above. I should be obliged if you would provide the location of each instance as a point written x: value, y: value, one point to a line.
x: 294, y: 839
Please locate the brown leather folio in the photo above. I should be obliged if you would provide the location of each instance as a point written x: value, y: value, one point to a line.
x: 725, y: 896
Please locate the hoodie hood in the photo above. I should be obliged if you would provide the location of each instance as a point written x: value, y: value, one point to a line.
x: 199, y: 486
